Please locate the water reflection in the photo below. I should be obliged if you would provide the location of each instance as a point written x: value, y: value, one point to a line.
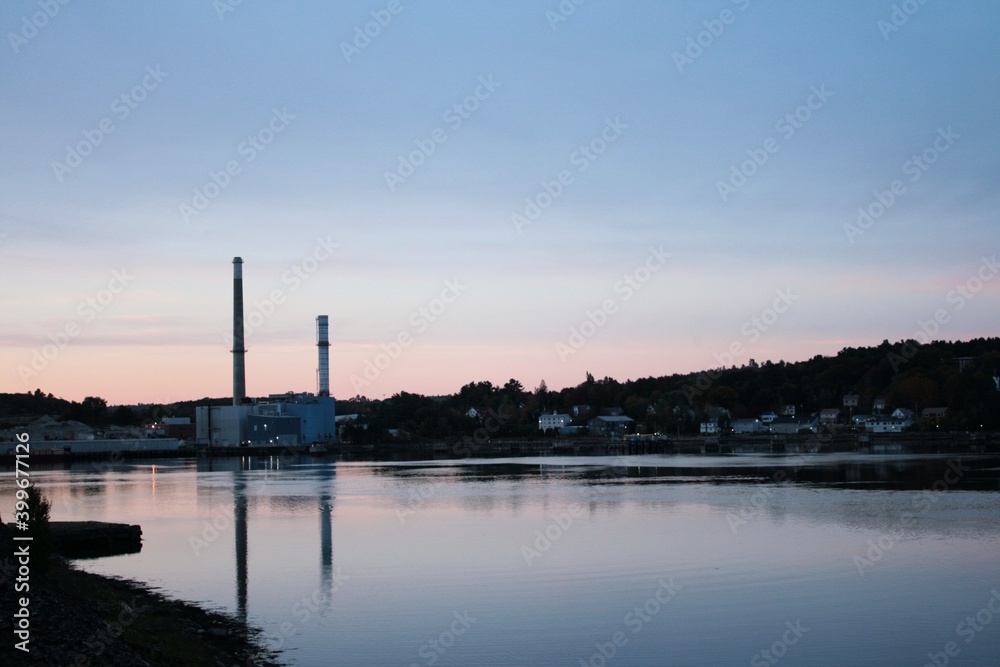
x: 974, y: 472
x: 327, y: 493
x: 420, y: 541
x: 240, y: 533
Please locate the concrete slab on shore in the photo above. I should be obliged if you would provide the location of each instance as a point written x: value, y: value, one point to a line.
x: 93, y: 539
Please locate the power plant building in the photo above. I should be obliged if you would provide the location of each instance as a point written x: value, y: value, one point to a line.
x: 281, y: 419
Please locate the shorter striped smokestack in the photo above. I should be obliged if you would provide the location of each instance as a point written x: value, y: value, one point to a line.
x: 323, y: 343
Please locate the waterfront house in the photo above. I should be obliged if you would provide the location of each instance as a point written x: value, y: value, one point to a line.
x: 610, y: 426
x: 554, y: 420
x: 747, y: 426
x: 829, y: 416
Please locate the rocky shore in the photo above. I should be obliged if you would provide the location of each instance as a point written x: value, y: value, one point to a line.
x: 78, y: 618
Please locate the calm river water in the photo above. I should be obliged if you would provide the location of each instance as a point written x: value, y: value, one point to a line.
x: 637, y: 560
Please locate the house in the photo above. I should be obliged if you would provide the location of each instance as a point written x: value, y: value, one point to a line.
x: 768, y: 417
x: 709, y: 428
x: 903, y: 413
x: 613, y: 412
x: 610, y: 426
x: 580, y: 410
x: 887, y: 425
x: 747, y: 426
x: 933, y: 414
x: 879, y: 404
x: 793, y: 425
x: 472, y: 413
x: 964, y: 363
x: 555, y: 420
x: 829, y: 416
x: 859, y: 420
x: 851, y: 400
x: 788, y: 411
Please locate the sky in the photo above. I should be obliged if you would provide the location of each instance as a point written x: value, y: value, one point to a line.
x: 484, y: 191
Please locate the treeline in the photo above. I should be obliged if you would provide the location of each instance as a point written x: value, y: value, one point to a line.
x: 906, y: 374
x: 954, y: 375
x: 20, y: 409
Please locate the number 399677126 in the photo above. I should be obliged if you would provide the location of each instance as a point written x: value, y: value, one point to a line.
x: 22, y: 477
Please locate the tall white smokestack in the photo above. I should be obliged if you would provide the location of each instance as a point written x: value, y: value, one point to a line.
x: 323, y: 343
x: 239, y: 352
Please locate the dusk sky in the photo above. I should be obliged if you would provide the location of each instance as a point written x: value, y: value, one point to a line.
x: 521, y: 189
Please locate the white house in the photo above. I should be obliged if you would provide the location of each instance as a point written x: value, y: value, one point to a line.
x: 768, y: 417
x: 886, y: 425
x: 829, y: 416
x: 792, y: 425
x: 747, y: 426
x: 556, y: 421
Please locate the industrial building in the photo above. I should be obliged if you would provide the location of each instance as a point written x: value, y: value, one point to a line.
x: 280, y: 419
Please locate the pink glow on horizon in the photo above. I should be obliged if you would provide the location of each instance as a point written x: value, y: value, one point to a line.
x: 131, y: 375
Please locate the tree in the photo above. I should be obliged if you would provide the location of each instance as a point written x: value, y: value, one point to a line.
x: 92, y: 410
x: 513, y: 388
x: 38, y: 507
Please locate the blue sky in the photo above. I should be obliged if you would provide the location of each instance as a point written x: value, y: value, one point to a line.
x: 206, y: 89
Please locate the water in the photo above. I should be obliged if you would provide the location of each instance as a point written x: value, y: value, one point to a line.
x: 649, y: 560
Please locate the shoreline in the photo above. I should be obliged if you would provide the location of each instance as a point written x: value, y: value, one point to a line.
x: 927, y: 442
x: 80, y: 618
